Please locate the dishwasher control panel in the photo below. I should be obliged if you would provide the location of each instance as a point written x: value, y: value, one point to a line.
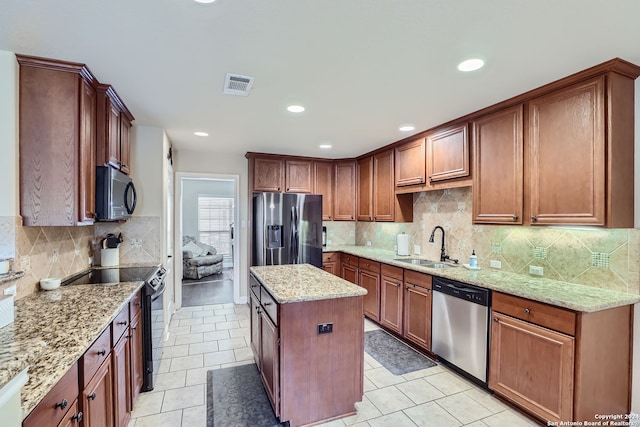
x: 462, y: 290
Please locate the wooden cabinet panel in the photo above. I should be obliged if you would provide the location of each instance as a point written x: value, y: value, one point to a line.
x: 330, y: 261
x: 255, y: 327
x: 269, y: 305
x: 371, y: 282
x: 417, y: 308
x: 73, y: 418
x: 384, y: 198
x: 410, y: 163
x: 323, y: 185
x: 121, y: 363
x: 95, y: 356
x: 518, y: 348
x: 97, y: 398
x: 498, y: 168
x: 268, y: 174
x: 298, y: 176
x: 344, y: 184
x: 125, y: 144
x: 87, y: 181
x: 270, y: 360
x: 556, y: 318
x: 137, y: 373
x: 349, y: 273
x: 113, y: 129
x: 135, y: 305
x: 365, y: 189
x: 567, y: 155
x: 56, y: 404
x: 120, y: 324
x: 391, y: 301
x: 113, y: 133
x: 448, y: 154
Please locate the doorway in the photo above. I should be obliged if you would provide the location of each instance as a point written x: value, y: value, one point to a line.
x: 206, y: 230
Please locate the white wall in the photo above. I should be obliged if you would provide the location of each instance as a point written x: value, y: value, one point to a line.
x: 147, y: 170
x: 191, y: 188
x: 197, y: 162
x: 635, y: 377
x: 9, y: 205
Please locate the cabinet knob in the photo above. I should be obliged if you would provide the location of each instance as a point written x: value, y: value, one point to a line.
x: 527, y: 311
x: 351, y: 216
x: 278, y: 188
x: 77, y: 417
x: 134, y: 327
x: 62, y: 404
x: 91, y: 215
x: 102, y: 352
x: 139, y: 304
x: 495, y: 319
x: 91, y: 396
x: 534, y: 218
x: 515, y: 217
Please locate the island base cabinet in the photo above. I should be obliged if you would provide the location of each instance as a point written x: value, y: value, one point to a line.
x: 269, y: 358
x: 532, y: 366
x: 97, y: 398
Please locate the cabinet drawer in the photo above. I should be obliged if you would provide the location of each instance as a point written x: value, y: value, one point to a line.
x: 330, y: 257
x: 135, y: 305
x: 254, y: 285
x: 556, y: 318
x: 269, y: 305
x: 57, y: 402
x: 418, y: 279
x: 349, y: 259
x: 368, y: 265
x: 120, y: 324
x: 94, y: 356
x: 391, y: 271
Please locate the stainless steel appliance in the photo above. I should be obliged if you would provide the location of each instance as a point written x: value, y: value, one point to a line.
x: 115, y: 194
x: 287, y: 229
x: 153, y: 278
x: 460, y: 325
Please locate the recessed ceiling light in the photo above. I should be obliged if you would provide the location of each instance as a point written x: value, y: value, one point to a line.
x: 471, y: 64
x: 325, y: 146
x: 295, y: 108
x: 200, y: 133
x: 204, y: 1
x: 406, y: 128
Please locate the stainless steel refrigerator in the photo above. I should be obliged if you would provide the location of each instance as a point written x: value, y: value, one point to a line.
x: 287, y: 229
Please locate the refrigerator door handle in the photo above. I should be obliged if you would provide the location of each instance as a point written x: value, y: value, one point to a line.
x: 293, y: 239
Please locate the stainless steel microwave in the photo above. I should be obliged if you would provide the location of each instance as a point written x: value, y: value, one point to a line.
x: 116, y: 195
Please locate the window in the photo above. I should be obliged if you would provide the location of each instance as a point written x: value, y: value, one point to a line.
x: 215, y: 216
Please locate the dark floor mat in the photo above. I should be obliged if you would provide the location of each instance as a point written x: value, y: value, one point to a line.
x: 397, y: 357
x: 236, y: 398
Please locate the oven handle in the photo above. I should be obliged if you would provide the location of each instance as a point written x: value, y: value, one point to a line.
x: 158, y: 292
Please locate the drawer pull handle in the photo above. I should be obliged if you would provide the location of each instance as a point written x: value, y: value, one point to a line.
x: 515, y: 217
x: 534, y: 218
x: 91, y: 396
x: 266, y: 304
x: 62, y: 404
x: 527, y: 311
x: 123, y: 323
x: 102, y: 352
x: 77, y: 417
x: 495, y: 319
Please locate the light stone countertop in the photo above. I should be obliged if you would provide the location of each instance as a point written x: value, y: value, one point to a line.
x: 303, y: 282
x: 562, y: 294
x: 53, y: 329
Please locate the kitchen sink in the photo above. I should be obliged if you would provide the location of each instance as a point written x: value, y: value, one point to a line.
x: 426, y: 262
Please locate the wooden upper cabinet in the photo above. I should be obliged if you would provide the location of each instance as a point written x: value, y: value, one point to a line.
x: 298, y: 176
x: 384, y: 198
x: 57, y: 122
x: 344, y: 184
x: 365, y: 189
x: 113, y: 129
x: 448, y: 154
x: 498, y: 174
x: 323, y: 185
x: 268, y: 174
x: 410, y: 163
x: 567, y: 155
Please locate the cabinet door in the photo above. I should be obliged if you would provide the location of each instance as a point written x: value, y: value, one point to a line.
x: 73, y: 418
x: 298, y: 176
x: 567, y: 156
x: 270, y: 360
x: 323, y: 181
x: 349, y: 273
x: 113, y: 133
x: 344, y: 207
x: 255, y: 328
x: 391, y: 297
x: 417, y: 315
x: 121, y: 362
x: 410, y: 165
x: 97, y: 398
x: 365, y: 189
x: 371, y: 282
x: 125, y: 142
x: 532, y: 366
x: 384, y: 198
x: 268, y: 174
x: 137, y: 373
x: 87, y: 181
x: 448, y: 154
x: 498, y: 173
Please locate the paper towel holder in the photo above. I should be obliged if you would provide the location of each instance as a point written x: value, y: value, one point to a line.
x: 402, y: 244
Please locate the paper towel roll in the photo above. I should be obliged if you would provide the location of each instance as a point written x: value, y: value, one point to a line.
x: 110, y: 257
x: 403, y: 244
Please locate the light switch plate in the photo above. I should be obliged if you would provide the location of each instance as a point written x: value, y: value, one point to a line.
x: 7, y: 312
x: 416, y: 249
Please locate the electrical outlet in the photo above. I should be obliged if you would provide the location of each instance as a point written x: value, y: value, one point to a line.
x: 11, y: 290
x: 90, y: 260
x: 55, y: 255
x: 535, y: 270
x: 416, y: 249
x: 325, y: 328
x: 495, y: 263
x: 368, y: 242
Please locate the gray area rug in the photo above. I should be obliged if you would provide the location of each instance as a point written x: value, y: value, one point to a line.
x: 236, y: 398
x: 397, y: 357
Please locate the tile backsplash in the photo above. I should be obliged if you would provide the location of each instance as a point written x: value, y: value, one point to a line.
x: 604, y: 258
x: 141, y: 238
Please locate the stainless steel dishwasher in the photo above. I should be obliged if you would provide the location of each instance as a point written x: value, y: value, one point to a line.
x: 460, y: 324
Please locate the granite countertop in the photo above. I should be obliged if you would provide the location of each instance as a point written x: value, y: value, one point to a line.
x: 562, y: 294
x: 303, y: 282
x: 52, y: 329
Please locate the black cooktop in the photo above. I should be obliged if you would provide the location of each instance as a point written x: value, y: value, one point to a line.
x: 113, y: 275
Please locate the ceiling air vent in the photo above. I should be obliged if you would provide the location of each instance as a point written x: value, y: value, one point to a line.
x: 235, y: 84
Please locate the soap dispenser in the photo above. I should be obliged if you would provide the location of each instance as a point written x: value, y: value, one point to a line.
x: 473, y: 259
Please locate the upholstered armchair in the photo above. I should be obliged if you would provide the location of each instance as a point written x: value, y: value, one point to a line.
x: 199, y: 259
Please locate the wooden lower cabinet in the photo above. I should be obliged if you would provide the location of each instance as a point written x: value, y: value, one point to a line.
x: 417, y: 308
x: 121, y: 359
x: 330, y: 263
x: 369, y: 278
x: 391, y: 298
x: 254, y: 306
x: 349, y: 273
x: 73, y: 418
x: 270, y: 360
x: 137, y: 374
x: 54, y: 406
x: 97, y: 398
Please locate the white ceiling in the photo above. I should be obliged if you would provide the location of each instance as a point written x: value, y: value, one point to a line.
x: 360, y: 67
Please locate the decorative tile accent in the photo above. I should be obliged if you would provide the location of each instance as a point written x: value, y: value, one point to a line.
x: 496, y: 248
x: 600, y: 259
x: 539, y: 252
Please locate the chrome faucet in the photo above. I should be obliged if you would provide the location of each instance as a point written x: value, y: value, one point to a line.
x: 443, y: 255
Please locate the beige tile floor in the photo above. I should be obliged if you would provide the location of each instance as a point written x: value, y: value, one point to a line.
x: 217, y: 336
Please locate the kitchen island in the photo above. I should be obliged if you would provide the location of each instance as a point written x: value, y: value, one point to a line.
x: 307, y: 335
